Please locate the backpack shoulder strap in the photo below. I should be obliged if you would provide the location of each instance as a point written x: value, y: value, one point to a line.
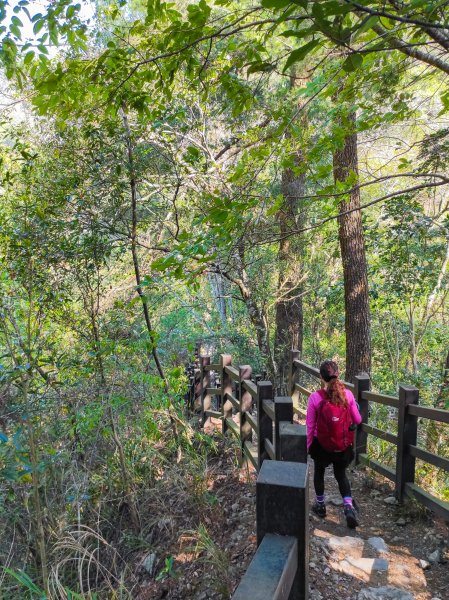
x: 324, y: 398
x: 322, y: 394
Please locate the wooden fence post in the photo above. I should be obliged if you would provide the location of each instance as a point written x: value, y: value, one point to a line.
x: 197, y: 388
x: 283, y: 411
x: 264, y: 423
x: 226, y: 388
x: 293, y: 442
x: 407, y: 434
x: 293, y: 372
x: 205, y: 383
x: 246, y: 403
x: 282, y: 508
x: 362, y: 384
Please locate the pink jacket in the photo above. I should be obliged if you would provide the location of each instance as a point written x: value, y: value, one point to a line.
x: 312, y: 413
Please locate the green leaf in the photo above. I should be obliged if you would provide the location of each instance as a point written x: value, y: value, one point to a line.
x: 38, y: 26
x: 28, y: 57
x: 300, y: 53
x: 260, y: 67
x: 275, y: 3
x: 353, y: 62
x: 299, y: 33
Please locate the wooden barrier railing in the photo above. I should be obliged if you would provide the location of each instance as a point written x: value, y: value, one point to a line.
x: 279, y: 569
x: 247, y: 408
x: 407, y: 451
x: 260, y: 415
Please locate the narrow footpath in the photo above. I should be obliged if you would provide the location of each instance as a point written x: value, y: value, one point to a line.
x: 397, y: 552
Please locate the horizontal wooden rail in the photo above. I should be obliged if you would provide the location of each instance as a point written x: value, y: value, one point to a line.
x: 378, y: 467
x: 216, y: 414
x: 233, y: 400
x: 272, y: 571
x: 439, y: 507
x: 250, y: 387
x: 302, y: 390
x: 437, y: 461
x: 233, y: 426
x: 307, y: 368
x: 426, y: 412
x: 270, y: 449
x: 252, y: 421
x: 251, y: 453
x: 297, y: 410
x: 268, y: 408
x: 232, y: 372
x: 381, y: 399
x: 379, y: 433
x: 214, y: 367
x: 213, y: 391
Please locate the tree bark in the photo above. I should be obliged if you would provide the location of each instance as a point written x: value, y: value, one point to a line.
x: 133, y: 237
x: 289, y: 305
x: 216, y: 283
x: 355, y: 273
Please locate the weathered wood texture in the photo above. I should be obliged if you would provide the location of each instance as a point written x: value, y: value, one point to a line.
x: 272, y: 570
x: 282, y: 508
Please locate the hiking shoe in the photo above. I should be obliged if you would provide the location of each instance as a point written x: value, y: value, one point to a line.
x: 319, y: 508
x: 350, y: 515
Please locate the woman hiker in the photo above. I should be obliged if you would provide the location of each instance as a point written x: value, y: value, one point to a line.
x: 332, y: 416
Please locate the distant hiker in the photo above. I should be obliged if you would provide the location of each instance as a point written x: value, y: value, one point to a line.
x: 332, y: 416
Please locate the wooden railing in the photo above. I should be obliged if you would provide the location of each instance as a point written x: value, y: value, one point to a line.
x: 276, y: 448
x: 272, y: 444
x: 405, y: 442
x: 247, y: 407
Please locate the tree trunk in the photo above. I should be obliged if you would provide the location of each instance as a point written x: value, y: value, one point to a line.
x: 255, y: 313
x: 289, y: 306
x: 138, y: 278
x: 352, y: 246
x: 216, y: 283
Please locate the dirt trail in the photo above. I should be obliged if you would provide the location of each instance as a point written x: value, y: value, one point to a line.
x: 344, y: 563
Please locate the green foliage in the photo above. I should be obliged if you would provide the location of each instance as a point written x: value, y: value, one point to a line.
x: 202, y: 111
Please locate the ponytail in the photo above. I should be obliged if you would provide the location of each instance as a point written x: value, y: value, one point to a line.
x: 337, y: 392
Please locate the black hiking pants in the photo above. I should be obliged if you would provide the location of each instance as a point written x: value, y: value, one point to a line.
x: 339, y: 460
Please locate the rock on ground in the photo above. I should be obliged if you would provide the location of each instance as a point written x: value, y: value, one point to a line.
x: 384, y: 593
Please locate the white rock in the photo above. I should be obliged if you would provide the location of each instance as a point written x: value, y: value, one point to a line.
x: 401, y: 521
x: 149, y: 563
x: 424, y: 564
x: 336, y: 500
x: 347, y: 545
x: 384, y: 593
x: 435, y: 557
x: 368, y: 566
x: 390, y: 500
x: 378, y: 544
